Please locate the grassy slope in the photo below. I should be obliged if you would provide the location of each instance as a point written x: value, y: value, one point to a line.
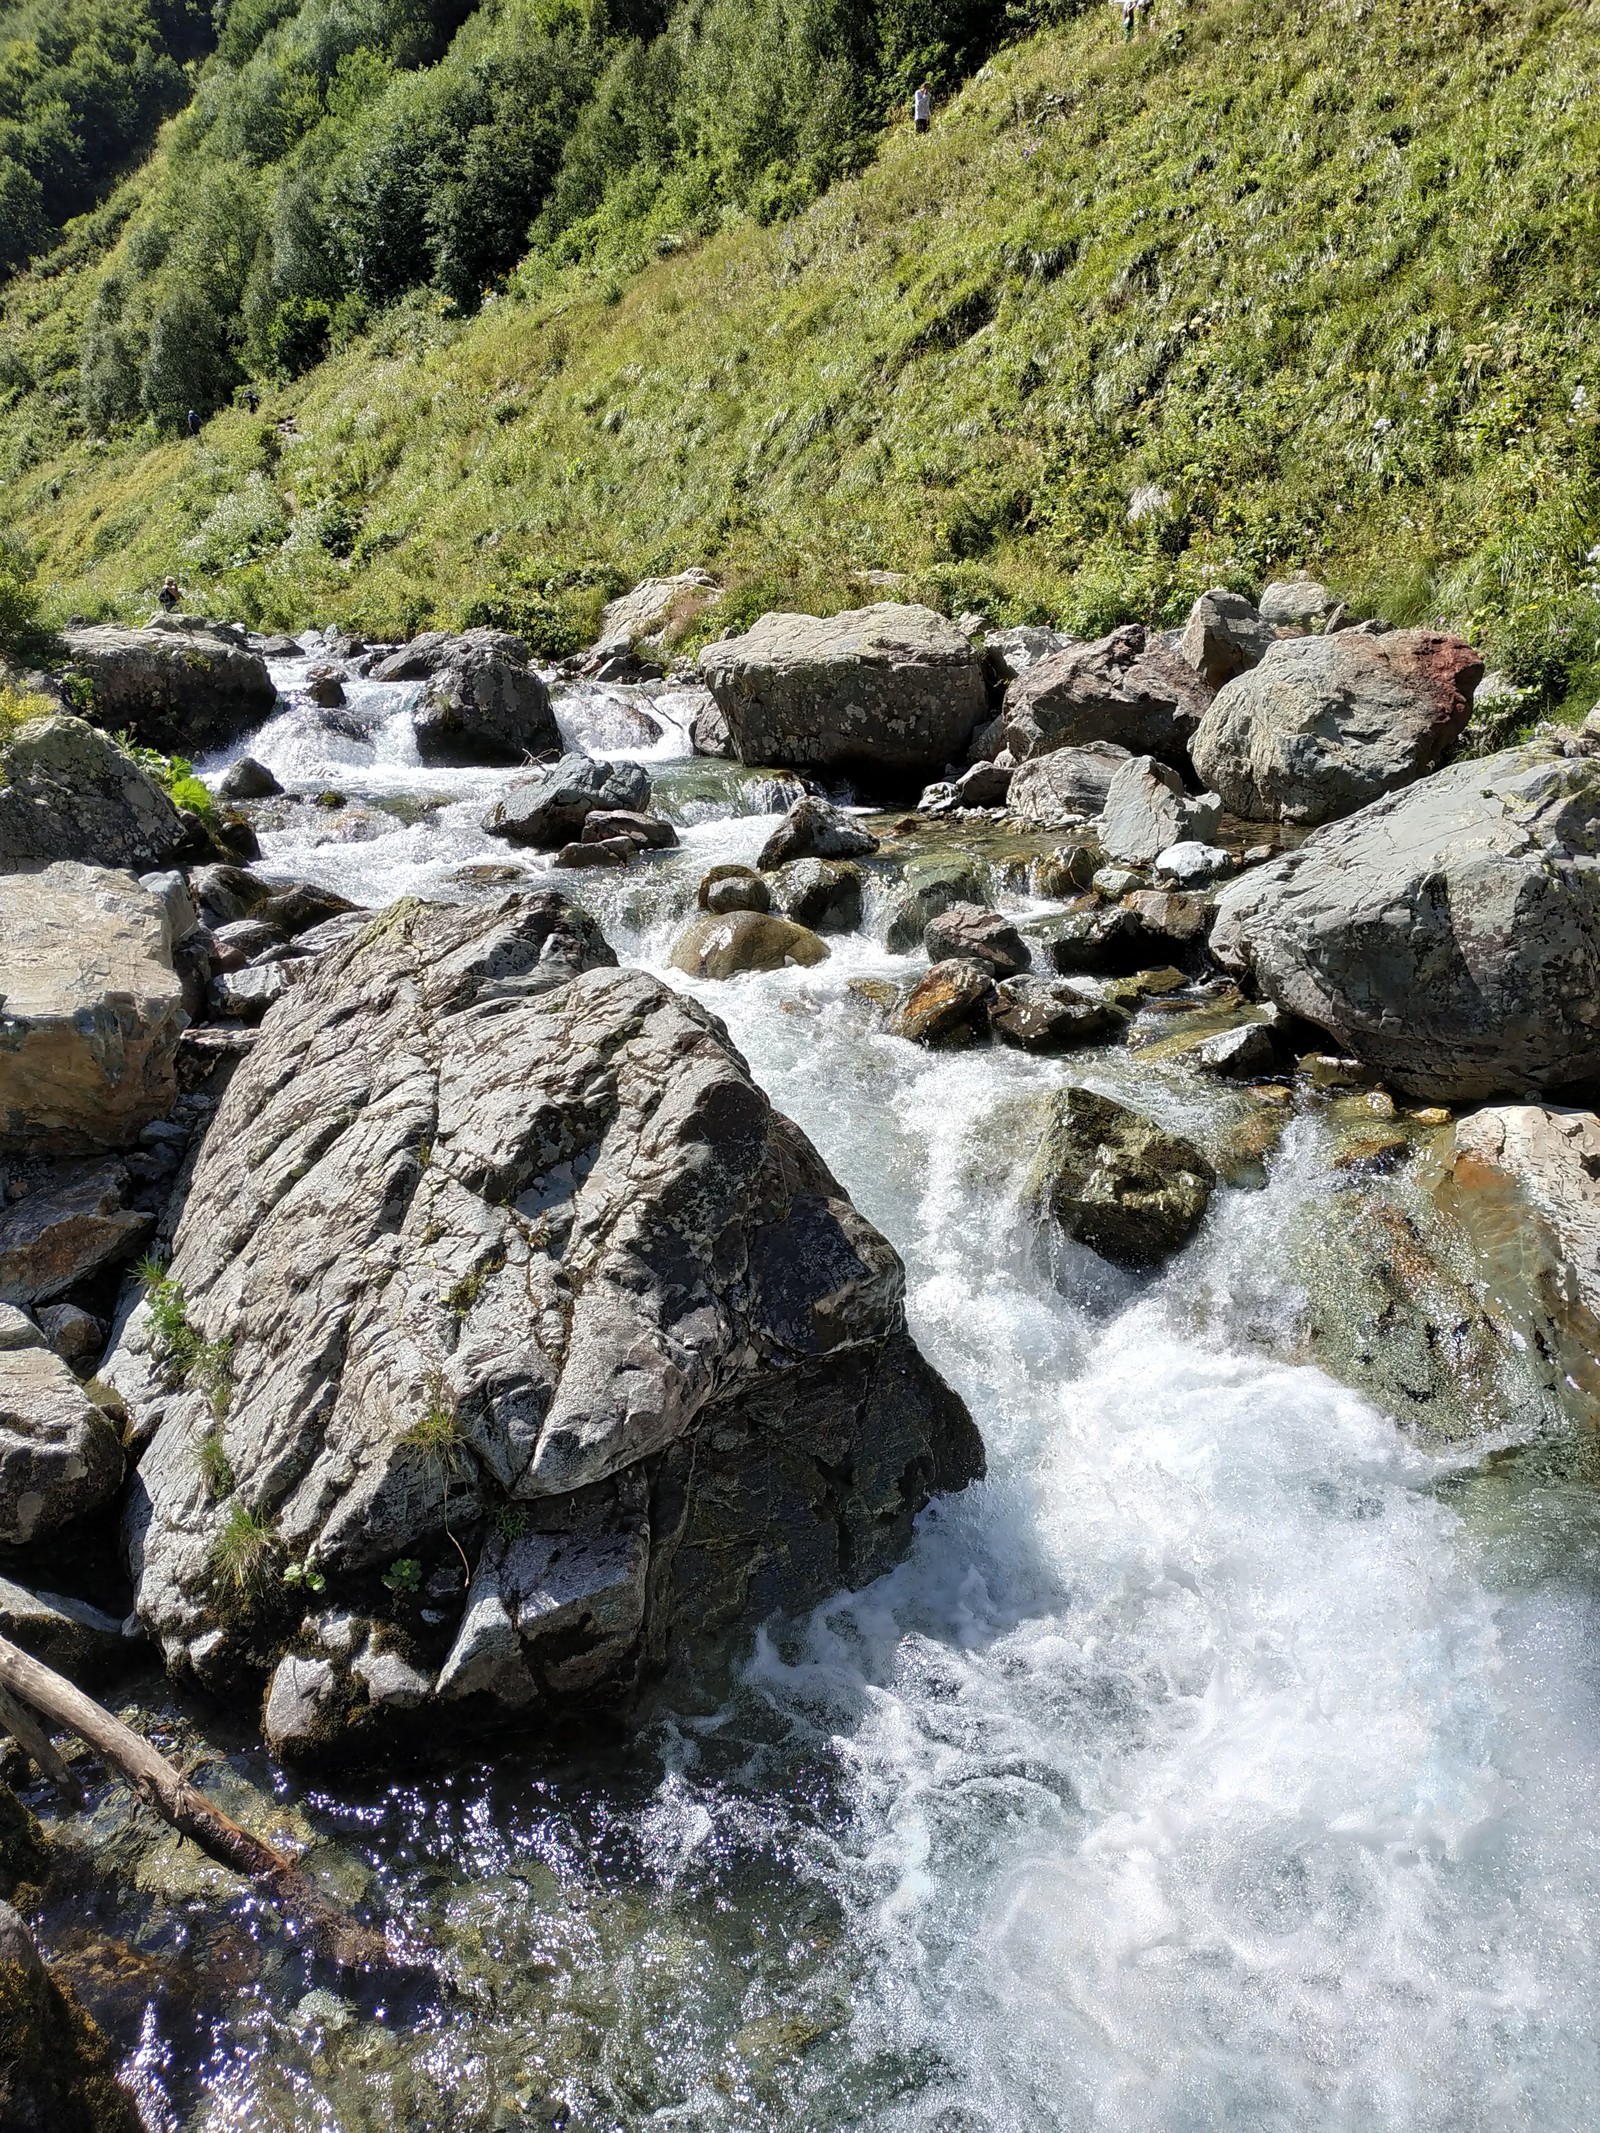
x: 1326, y: 279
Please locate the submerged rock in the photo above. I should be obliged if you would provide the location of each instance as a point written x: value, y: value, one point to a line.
x: 722, y: 946
x: 506, y: 1241
x: 1448, y: 935
x: 1116, y: 1181
x: 1326, y: 724
x: 880, y: 691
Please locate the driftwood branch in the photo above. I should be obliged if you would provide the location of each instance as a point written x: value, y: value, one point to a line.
x: 184, y: 1806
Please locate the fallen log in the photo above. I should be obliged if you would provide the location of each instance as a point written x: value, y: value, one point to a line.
x: 40, y: 1688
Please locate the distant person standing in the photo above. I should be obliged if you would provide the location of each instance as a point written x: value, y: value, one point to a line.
x: 1130, y: 16
x: 194, y: 422
x: 252, y: 400
x: 169, y: 595
x: 922, y: 108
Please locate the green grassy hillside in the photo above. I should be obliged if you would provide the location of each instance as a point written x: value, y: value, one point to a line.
x: 1269, y: 288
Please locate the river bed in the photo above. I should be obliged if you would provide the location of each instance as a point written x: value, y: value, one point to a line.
x: 1225, y: 1760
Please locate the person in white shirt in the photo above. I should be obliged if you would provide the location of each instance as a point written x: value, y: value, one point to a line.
x: 922, y: 108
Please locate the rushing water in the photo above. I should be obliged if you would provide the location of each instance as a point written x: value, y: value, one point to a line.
x: 1226, y: 1760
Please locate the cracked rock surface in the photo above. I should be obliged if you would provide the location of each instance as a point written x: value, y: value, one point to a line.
x: 521, y: 1270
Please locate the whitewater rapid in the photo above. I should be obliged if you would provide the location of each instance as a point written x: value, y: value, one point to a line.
x: 1226, y: 1760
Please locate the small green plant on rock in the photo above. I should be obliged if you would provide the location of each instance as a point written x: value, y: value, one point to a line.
x: 404, y: 1577
x: 244, y: 1554
x: 185, y: 1354
x: 305, y: 1575
x: 215, y: 1470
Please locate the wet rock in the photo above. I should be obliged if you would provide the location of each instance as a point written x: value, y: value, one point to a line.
x: 550, y: 810
x: 1242, y: 1054
x: 651, y: 833
x: 949, y: 1005
x: 1116, y: 1181
x: 1092, y: 938
x: 1036, y: 1015
x: 247, y: 780
x: 69, y: 792
x: 1223, y: 636
x: 485, y: 1218
x: 483, y: 702
x: 1297, y: 603
x: 814, y: 830
x: 973, y: 934
x: 734, y: 888
x: 1324, y: 725
x: 1147, y: 811
x: 880, y: 691
x: 1550, y: 1159
x: 304, y: 1707
x: 1448, y: 935
x: 1193, y: 865
x: 76, y: 1335
x: 182, y: 691
x: 71, y: 1223
x: 824, y: 894
x: 59, y: 1458
x: 931, y: 885
x: 298, y: 907
x: 1126, y: 688
x: 68, y: 1634
x: 724, y: 946
x: 57, y: 2072
x: 708, y: 729
x: 324, y: 686
x: 92, y: 1009
x: 603, y: 852
x: 1068, y: 784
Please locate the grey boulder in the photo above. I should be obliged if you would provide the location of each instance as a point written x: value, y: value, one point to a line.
x: 550, y: 810
x: 1448, y: 935
x: 180, y: 690
x: 59, y: 1455
x: 1067, y: 785
x: 1326, y: 724
x: 812, y: 829
x: 513, y: 1253
x: 68, y: 1226
x: 883, y: 691
x: 68, y: 791
x: 481, y: 701
x: 824, y: 894
x: 971, y: 933
x: 247, y: 780
x: 1127, y: 688
x: 1147, y: 811
x: 1297, y: 603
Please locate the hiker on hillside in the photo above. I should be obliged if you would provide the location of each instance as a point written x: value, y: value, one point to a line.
x: 1130, y: 16
x: 922, y: 108
x: 169, y: 595
x: 252, y: 400
x: 194, y: 422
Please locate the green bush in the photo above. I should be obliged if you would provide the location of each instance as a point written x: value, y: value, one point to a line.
x: 19, y: 600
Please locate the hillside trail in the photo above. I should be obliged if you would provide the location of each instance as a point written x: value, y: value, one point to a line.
x: 1226, y: 1760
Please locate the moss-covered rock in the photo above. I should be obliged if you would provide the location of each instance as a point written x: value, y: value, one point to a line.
x: 57, y: 2073
x: 1116, y: 1181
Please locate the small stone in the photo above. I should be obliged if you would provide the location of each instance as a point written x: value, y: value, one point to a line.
x: 1324, y: 1071
x: 812, y: 829
x: 1192, y: 865
x: 1430, y: 1115
x: 1114, y: 883
x: 245, y: 995
x: 1238, y: 1054
x: 1273, y: 1093
x: 734, y: 888
x: 1067, y: 870
x: 391, y: 1680
x: 247, y: 780
x: 303, y: 1705
x: 608, y: 852
x: 653, y: 833
x: 1381, y: 1104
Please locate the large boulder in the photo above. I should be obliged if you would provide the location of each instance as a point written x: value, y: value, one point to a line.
x: 645, y: 615
x: 1297, y: 603
x: 59, y: 1455
x: 68, y: 791
x: 179, y: 690
x: 1224, y: 635
x: 1126, y: 688
x: 512, y: 1253
x: 1326, y: 724
x: 1448, y: 935
x: 482, y: 701
x: 550, y: 810
x: 91, y: 1010
x: 1116, y: 1181
x: 1147, y: 810
x: 1067, y: 785
x: 882, y: 693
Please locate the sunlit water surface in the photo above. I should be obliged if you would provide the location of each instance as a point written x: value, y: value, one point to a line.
x: 1227, y: 1760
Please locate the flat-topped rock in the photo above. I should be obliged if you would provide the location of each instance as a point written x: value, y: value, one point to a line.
x: 883, y: 692
x: 182, y: 690
x: 90, y: 1010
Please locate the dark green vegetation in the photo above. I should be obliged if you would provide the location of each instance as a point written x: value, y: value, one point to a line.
x: 1261, y: 290
x: 83, y: 86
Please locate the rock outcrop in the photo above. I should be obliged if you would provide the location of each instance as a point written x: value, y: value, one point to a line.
x: 90, y: 1010
x: 68, y: 791
x: 482, y: 701
x: 1116, y: 1181
x: 655, y: 607
x: 512, y: 1253
x: 1326, y: 724
x: 180, y: 690
x: 1448, y: 935
x: 884, y: 693
x: 1126, y: 688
